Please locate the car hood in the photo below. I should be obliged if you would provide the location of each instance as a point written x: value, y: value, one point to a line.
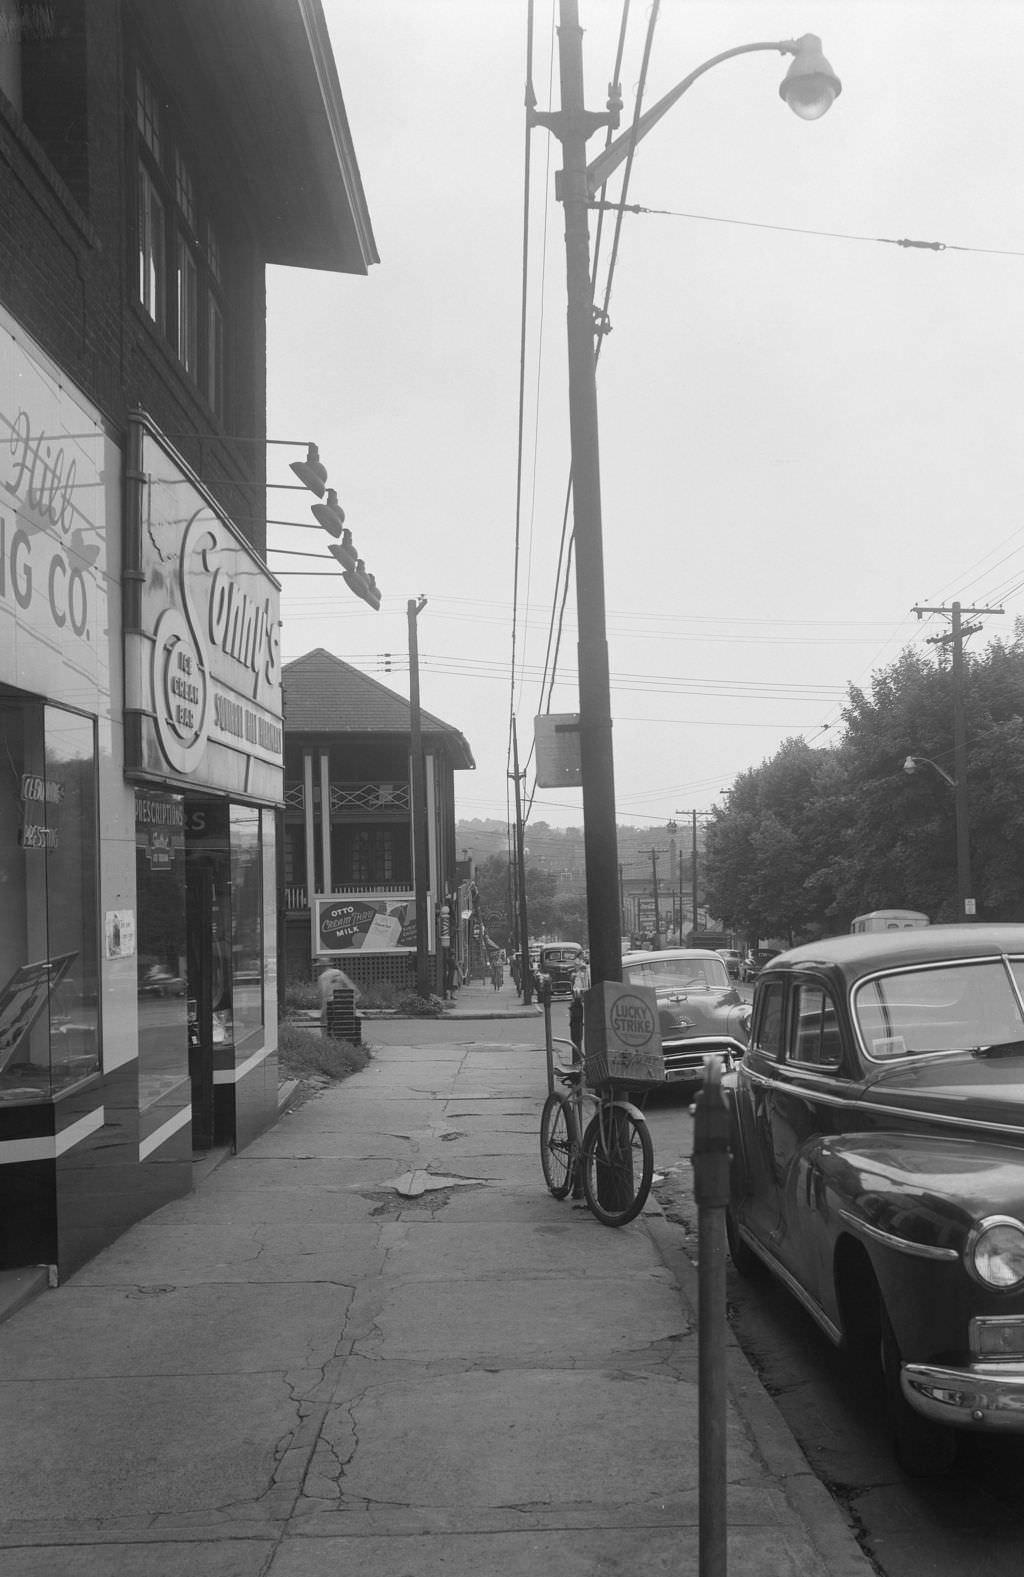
x: 719, y: 1012
x: 978, y: 1091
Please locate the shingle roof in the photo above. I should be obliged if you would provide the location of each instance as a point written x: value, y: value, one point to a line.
x: 323, y: 695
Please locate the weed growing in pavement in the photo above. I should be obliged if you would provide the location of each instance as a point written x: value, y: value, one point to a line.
x: 420, y: 1007
x: 305, y: 1054
x: 301, y: 996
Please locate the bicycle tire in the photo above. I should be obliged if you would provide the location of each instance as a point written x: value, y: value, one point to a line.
x: 617, y: 1158
x: 557, y: 1150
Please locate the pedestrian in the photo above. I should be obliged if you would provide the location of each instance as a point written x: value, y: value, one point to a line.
x: 333, y: 978
x: 581, y: 974
x: 497, y: 972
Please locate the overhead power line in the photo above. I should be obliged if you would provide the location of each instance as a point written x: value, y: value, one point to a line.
x: 832, y: 235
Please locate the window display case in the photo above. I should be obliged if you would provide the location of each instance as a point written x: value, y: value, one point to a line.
x: 49, y: 997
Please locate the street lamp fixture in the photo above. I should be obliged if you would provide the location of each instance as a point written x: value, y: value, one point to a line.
x: 913, y: 762
x: 966, y: 906
x: 809, y: 88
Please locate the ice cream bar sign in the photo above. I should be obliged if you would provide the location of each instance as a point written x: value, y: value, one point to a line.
x: 384, y: 923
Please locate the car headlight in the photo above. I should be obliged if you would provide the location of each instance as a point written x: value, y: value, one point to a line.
x: 995, y: 1252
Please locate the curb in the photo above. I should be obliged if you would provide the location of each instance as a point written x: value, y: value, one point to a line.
x: 18, y: 1287
x: 389, y: 1016
x: 827, y: 1528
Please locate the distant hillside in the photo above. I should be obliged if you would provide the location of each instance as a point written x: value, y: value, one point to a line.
x: 559, y: 850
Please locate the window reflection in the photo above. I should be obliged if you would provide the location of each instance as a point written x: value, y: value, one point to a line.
x: 225, y: 850
x: 246, y: 923
x: 160, y: 887
x: 49, y: 996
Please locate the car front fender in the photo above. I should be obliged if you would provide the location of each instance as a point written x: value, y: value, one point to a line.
x: 925, y: 1191
x: 911, y: 1201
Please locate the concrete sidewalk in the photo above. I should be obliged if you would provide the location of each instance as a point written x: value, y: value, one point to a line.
x: 478, y: 999
x: 373, y: 1344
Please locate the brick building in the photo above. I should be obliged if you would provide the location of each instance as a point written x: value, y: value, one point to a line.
x: 154, y: 158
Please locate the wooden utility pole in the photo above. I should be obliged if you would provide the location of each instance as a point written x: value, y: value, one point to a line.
x: 693, y: 814
x: 421, y: 874
x: 654, y: 883
x: 525, y: 974
x: 965, y: 902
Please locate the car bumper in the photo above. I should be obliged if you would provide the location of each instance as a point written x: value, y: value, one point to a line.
x: 984, y: 1396
x: 686, y: 1060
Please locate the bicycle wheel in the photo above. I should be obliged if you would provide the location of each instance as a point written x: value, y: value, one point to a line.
x: 617, y: 1157
x: 557, y: 1156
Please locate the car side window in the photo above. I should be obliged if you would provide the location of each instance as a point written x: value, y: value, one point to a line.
x: 815, y: 1039
x: 769, y: 1020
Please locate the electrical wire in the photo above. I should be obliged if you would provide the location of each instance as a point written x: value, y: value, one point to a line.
x: 530, y: 101
x: 832, y: 235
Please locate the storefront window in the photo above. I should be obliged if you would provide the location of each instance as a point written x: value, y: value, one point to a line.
x: 246, y: 924
x: 227, y: 927
x: 49, y: 991
x: 160, y: 889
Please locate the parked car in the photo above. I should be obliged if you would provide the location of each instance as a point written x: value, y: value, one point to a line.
x: 756, y: 960
x: 701, y: 1014
x: 733, y: 960
x: 877, y: 1145
x: 558, y: 962
x: 158, y: 981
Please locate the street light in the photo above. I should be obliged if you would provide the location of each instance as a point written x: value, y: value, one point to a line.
x: 912, y: 763
x: 966, y: 907
x: 810, y: 87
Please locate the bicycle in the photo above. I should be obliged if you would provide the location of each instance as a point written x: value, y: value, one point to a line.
x: 610, y: 1160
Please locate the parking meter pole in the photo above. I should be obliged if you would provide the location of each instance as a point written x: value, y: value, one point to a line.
x: 549, y: 1045
x: 711, y: 1192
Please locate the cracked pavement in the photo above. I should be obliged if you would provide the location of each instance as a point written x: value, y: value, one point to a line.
x: 300, y: 1370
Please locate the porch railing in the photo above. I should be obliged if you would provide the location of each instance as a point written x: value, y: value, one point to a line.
x: 297, y: 898
x: 354, y: 799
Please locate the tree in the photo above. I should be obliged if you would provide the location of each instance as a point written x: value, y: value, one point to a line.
x: 492, y: 887
x: 757, y: 859
x: 813, y: 837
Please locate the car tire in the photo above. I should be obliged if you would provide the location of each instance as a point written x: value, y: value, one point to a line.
x: 922, y: 1448
x: 745, y: 1262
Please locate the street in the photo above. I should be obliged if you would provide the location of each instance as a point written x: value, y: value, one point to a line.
x: 908, y: 1527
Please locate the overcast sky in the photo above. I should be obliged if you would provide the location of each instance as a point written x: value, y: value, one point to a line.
x: 805, y: 429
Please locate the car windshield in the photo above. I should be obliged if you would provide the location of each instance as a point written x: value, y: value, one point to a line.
x: 560, y: 955
x: 695, y: 974
x: 949, y: 1007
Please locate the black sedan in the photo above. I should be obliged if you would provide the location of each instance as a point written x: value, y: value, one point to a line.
x: 878, y: 1165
